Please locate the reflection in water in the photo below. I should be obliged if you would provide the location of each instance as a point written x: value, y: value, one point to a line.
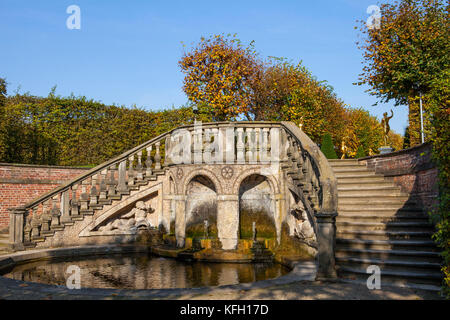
x: 145, y: 272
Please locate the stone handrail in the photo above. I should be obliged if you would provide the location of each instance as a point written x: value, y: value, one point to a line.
x: 328, y: 181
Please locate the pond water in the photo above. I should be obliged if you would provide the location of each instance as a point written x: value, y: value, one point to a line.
x: 142, y: 271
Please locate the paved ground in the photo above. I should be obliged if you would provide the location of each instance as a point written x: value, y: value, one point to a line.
x: 301, y: 290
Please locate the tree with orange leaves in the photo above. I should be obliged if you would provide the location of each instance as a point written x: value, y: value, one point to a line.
x: 218, y: 76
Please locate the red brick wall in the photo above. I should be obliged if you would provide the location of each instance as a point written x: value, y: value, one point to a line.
x: 21, y: 183
x: 412, y: 169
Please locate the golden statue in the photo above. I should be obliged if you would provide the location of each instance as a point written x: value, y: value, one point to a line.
x: 344, y: 149
x: 385, y: 124
x: 301, y: 123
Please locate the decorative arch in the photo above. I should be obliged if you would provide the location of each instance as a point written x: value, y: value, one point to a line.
x: 172, y: 181
x: 273, y: 183
x: 202, y: 172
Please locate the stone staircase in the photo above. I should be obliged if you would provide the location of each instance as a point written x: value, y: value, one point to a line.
x: 102, y: 197
x: 379, y: 225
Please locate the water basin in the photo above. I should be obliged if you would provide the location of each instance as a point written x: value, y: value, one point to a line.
x: 143, y: 271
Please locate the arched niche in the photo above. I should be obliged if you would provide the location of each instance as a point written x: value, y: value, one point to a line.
x: 201, y: 206
x: 256, y: 204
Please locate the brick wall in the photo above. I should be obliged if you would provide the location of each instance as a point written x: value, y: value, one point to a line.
x: 21, y: 183
x: 412, y: 169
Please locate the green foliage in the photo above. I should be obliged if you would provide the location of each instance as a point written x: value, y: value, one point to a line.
x: 360, y: 153
x: 3, y: 131
x: 439, y: 102
x: 77, y: 131
x: 327, y: 147
x: 403, y: 56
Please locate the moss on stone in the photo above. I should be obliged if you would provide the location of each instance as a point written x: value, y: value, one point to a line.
x: 265, y: 226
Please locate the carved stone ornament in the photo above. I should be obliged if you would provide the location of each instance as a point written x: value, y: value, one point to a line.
x: 179, y: 173
x: 227, y: 172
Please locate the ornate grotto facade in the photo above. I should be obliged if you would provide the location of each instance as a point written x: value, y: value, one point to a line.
x: 228, y: 179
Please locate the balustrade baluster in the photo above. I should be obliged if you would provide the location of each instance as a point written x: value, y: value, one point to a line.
x: 139, y: 168
x: 148, y: 162
x: 198, y: 145
x: 46, y: 219
x: 35, y: 225
x: 103, y: 189
x: 264, y: 145
x: 84, y: 197
x: 65, y: 208
x: 208, y: 147
x: 157, y: 157
x: 167, y: 146
x: 56, y: 213
x: 111, y: 182
x: 94, y: 193
x: 122, y: 186
x: 74, y: 210
x: 27, y: 230
x: 249, y: 145
x: 240, y: 146
x: 130, y: 171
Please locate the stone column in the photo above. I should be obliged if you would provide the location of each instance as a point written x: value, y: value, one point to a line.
x: 16, y: 216
x: 326, y: 233
x: 228, y: 220
x: 180, y: 219
x: 278, y: 200
x: 166, y: 211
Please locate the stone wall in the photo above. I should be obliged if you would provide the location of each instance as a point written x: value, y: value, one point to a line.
x: 20, y: 183
x: 411, y: 169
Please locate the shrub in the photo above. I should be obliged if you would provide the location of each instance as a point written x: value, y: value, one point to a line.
x: 327, y: 147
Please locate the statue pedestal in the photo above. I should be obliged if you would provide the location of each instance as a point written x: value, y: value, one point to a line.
x: 385, y: 149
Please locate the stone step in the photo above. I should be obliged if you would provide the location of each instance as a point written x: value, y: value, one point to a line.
x: 394, y: 277
x: 371, y: 192
x: 419, y: 245
x: 400, y: 265
x: 334, y: 162
x: 350, y: 165
x: 381, y: 219
x: 344, y: 184
x: 383, y: 210
x: 405, y: 255
x: 352, y: 169
x: 375, y: 199
x: 380, y: 207
x: 361, y: 178
x: 383, y: 235
x: 384, y: 226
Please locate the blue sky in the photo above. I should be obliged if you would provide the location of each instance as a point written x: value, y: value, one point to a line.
x: 127, y: 52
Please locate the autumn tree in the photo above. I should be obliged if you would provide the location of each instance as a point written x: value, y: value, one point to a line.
x: 362, y: 130
x: 405, y: 53
x: 304, y: 100
x: 218, y: 75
